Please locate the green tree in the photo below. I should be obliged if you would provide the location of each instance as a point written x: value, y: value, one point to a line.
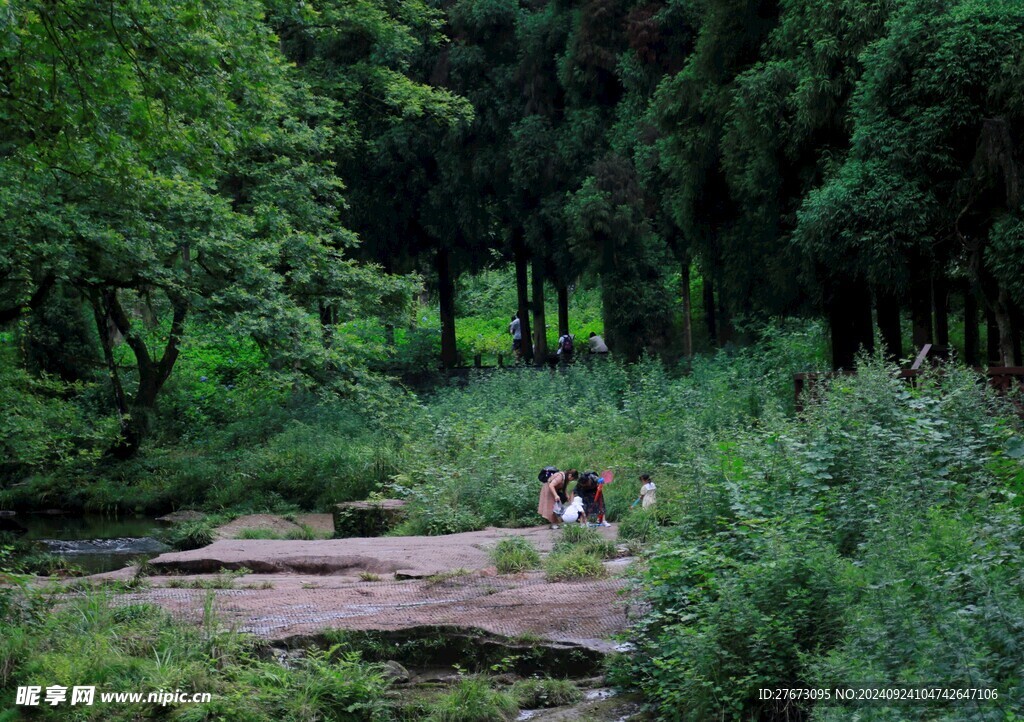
x: 690, y: 110
x: 789, y: 116
x: 363, y: 57
x: 932, y: 177
x: 165, y: 156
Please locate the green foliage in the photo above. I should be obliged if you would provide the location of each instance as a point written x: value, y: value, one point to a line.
x: 258, y: 534
x: 251, y: 449
x: 640, y: 526
x: 192, y: 534
x: 575, y: 536
x: 807, y: 547
x: 20, y: 603
x: 304, y: 532
x: 515, y: 554
x: 485, y: 302
x: 938, y: 591
x: 179, y: 168
x: 139, y: 647
x: 59, y: 339
x: 728, y: 624
x: 45, y: 426
x: 537, y: 693
x: 576, y: 563
x: 471, y: 453
x: 473, y: 700
x: 606, y: 216
x: 578, y: 554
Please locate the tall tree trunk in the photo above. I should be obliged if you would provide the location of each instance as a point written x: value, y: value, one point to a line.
x: 446, y: 292
x: 940, y: 301
x: 540, y: 331
x: 327, y: 321
x: 103, y: 331
x: 1004, y: 323
x: 523, y: 295
x: 992, y: 338
x: 724, y: 320
x: 888, y: 310
x: 849, y: 311
x: 563, y: 309
x: 152, y: 372
x: 684, y: 279
x: 972, y: 347
x: 708, y: 299
x: 921, y: 311
x: 1016, y: 322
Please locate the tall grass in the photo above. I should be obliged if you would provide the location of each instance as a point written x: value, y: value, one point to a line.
x: 91, y: 640
x: 514, y: 554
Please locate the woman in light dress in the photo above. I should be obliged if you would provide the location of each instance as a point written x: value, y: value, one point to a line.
x: 555, y: 490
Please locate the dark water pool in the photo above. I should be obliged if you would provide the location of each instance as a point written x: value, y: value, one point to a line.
x: 94, y: 542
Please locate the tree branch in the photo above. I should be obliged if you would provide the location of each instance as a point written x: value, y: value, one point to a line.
x: 11, y: 313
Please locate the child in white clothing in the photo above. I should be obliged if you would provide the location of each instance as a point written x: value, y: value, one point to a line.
x: 647, y: 491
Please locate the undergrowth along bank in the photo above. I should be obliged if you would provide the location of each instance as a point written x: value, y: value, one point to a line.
x: 465, y: 455
x: 872, y: 541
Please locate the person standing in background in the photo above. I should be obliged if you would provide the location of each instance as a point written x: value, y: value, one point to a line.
x: 515, y: 328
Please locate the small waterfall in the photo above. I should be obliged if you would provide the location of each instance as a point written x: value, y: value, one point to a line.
x: 123, y: 546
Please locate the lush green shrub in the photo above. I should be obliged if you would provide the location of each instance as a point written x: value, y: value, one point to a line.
x: 48, y: 426
x: 640, y: 526
x: 934, y: 601
x: 578, y: 537
x: 515, y: 554
x: 473, y: 700
x: 536, y: 693
x: 723, y: 625
x: 192, y: 534
x: 843, y: 547
x: 574, y: 564
x: 471, y: 452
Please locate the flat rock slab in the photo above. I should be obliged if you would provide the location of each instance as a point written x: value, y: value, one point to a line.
x: 301, y: 588
x: 389, y: 504
x: 413, y: 556
x: 181, y: 516
x: 276, y: 607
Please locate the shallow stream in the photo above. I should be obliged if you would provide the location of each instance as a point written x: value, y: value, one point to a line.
x: 94, y: 542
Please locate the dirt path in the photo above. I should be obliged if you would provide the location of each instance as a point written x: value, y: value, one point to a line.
x: 388, y: 583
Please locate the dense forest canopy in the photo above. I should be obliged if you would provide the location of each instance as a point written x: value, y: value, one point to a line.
x: 286, y: 169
